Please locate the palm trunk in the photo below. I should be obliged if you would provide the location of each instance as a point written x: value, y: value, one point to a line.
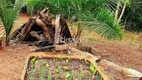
x: 117, y: 10
x: 7, y: 39
x: 79, y: 31
x: 122, y: 12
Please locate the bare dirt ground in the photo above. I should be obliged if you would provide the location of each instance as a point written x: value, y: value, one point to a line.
x: 126, y: 53
x: 12, y: 60
x: 119, y: 53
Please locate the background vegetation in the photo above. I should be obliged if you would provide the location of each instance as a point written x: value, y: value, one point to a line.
x: 133, y: 16
x: 108, y: 18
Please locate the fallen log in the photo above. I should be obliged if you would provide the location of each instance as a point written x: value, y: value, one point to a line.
x: 17, y: 31
x: 47, y: 20
x: 26, y: 30
x: 130, y: 74
x: 57, y: 48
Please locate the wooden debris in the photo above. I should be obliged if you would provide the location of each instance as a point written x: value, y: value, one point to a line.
x: 26, y: 30
x: 43, y: 24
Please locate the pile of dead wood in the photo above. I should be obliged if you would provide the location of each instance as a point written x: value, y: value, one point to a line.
x: 44, y: 30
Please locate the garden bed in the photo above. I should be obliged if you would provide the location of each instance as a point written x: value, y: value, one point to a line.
x: 56, y: 67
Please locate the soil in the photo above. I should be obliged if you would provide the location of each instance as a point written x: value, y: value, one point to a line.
x: 125, y: 53
x: 119, y: 53
x: 12, y: 59
x: 60, y: 69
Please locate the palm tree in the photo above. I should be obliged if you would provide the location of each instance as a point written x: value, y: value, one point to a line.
x: 98, y: 15
x: 8, y: 14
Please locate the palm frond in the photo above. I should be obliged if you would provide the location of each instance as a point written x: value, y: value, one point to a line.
x: 103, y: 23
x: 8, y: 13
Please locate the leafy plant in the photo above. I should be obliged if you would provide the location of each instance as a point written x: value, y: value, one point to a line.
x: 140, y: 45
x: 58, y: 70
x: 42, y: 73
x: 71, y: 75
x: 33, y: 61
x: 49, y: 75
x: 98, y: 77
x: 133, y: 15
x: 97, y: 15
x: 93, y: 69
x: 81, y: 73
x: 34, y: 5
x: 8, y: 14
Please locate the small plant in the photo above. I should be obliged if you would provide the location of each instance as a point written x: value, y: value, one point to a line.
x: 93, y: 69
x: 58, y: 70
x: 33, y: 61
x: 64, y: 69
x: 42, y: 73
x: 67, y: 74
x: 81, y: 73
x: 98, y: 77
x: 49, y: 75
x: 71, y: 75
x: 140, y: 45
x: 67, y: 61
x: 31, y: 73
x: 86, y: 62
x: 132, y: 41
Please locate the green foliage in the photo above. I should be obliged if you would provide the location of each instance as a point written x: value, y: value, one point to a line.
x: 71, y: 75
x: 34, y: 5
x: 93, y: 69
x: 9, y: 13
x: 100, y: 14
x: 140, y: 45
x: 43, y: 69
x: 96, y: 14
x: 58, y: 70
x: 49, y: 75
x: 133, y: 15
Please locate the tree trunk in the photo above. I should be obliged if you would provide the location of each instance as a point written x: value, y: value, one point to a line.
x: 0, y: 43
x: 78, y: 35
x: 123, y: 10
x: 117, y: 10
x: 7, y: 39
x: 26, y: 30
x: 57, y: 30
